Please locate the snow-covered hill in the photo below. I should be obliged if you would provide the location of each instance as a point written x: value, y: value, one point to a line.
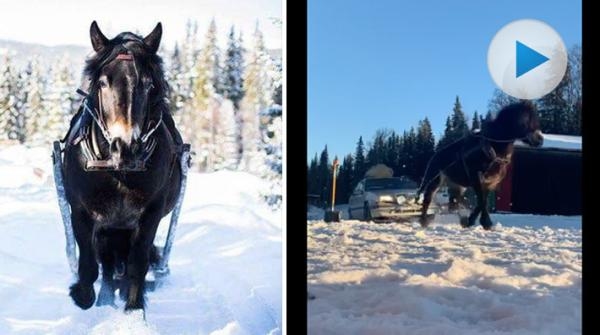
x: 372, y: 278
x: 225, y: 265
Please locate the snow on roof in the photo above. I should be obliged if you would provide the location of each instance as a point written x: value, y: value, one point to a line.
x: 559, y: 142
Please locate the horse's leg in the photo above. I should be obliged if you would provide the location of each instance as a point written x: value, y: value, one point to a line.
x: 456, y: 197
x: 481, y: 202
x: 485, y: 220
x: 106, y: 296
x: 139, y: 256
x: 82, y: 292
x: 459, y: 203
x: 430, y: 190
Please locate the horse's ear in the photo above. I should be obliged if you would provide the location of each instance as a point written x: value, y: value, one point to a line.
x: 152, y: 41
x: 99, y: 41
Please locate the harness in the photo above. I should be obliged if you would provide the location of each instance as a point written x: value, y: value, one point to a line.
x: 81, y: 132
x: 485, y: 146
x: 487, y: 149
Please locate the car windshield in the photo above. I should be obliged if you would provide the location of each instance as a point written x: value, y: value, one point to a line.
x: 389, y: 184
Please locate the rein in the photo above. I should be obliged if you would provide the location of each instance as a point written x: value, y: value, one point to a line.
x: 479, y: 134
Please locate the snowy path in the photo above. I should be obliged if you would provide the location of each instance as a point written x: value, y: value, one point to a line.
x: 225, y: 265
x: 396, y: 278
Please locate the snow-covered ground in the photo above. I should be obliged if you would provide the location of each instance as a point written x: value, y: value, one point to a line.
x: 225, y: 264
x: 524, y: 277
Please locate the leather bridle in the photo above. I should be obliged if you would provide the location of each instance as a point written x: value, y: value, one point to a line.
x: 90, y: 145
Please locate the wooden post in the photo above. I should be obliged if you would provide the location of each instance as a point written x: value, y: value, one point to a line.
x: 335, y: 165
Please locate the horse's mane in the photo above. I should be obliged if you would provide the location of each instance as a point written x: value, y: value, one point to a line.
x: 507, y: 115
x: 150, y: 63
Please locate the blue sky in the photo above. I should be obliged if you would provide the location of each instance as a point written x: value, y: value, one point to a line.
x: 389, y: 63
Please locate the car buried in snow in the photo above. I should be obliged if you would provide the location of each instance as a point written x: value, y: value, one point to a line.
x: 386, y: 198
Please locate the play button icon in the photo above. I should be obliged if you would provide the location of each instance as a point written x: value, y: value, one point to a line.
x: 527, y: 59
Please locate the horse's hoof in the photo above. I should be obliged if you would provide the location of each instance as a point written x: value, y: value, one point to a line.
x: 135, y: 308
x: 123, y: 293
x: 465, y: 222
x: 83, y: 296
x: 486, y: 223
x: 425, y: 220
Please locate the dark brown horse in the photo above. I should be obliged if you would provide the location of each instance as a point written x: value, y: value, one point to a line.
x: 479, y: 160
x: 121, y: 170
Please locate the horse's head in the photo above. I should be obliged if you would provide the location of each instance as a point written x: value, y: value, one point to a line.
x: 126, y: 82
x: 518, y: 121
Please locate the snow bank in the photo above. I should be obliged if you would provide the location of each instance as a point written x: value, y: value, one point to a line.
x: 371, y: 278
x: 559, y: 142
x: 225, y: 264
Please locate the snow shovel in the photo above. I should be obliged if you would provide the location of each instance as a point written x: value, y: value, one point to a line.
x: 331, y: 215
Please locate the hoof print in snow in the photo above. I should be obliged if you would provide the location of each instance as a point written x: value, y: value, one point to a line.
x: 83, y: 297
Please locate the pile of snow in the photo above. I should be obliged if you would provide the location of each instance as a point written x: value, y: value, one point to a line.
x: 225, y: 264
x: 379, y: 171
x: 370, y: 278
x: 20, y: 166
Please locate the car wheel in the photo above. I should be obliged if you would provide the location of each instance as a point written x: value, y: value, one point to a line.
x: 350, y: 214
x: 367, y: 212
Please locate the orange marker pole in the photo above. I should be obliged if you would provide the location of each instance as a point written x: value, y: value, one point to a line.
x: 335, y: 165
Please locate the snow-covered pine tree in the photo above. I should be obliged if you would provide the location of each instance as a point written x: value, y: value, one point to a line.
x: 60, y: 100
x: 208, y: 65
x: 17, y: 130
x: 33, y: 105
x: 272, y: 134
x: 233, y: 69
x: 277, y: 82
x: 176, y: 77
x: 205, y: 101
x: 225, y: 136
x: 257, y: 97
x: 186, y: 116
x: 8, y: 98
x: 233, y: 82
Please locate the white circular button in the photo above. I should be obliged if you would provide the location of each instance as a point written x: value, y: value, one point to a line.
x: 527, y: 59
